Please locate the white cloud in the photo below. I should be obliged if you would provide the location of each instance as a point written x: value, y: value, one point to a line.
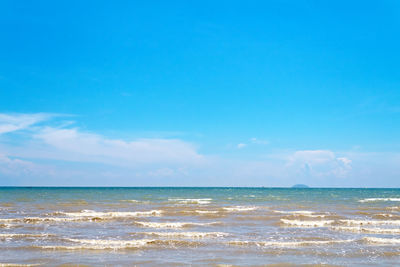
x: 319, y: 163
x: 45, y: 154
x: 70, y: 144
x: 16, y: 167
x: 15, y: 122
x: 241, y: 145
x: 258, y: 141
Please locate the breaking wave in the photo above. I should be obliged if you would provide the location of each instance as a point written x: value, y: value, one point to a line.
x: 17, y: 265
x: 84, y: 215
x: 370, y: 222
x: 300, y: 212
x: 39, y: 219
x: 172, y: 224
x: 303, y: 213
x: 240, y: 208
x: 287, y: 243
x: 355, y: 229
x: 379, y: 199
x: 97, y: 244
x: 185, y: 234
x: 299, y: 223
x: 200, y: 201
x: 120, y: 214
x: 382, y: 241
x: 14, y: 236
x: 135, y: 201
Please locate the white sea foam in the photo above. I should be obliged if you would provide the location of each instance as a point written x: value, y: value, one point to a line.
x: 310, y: 215
x: 135, y: 201
x: 84, y: 215
x: 379, y: 199
x: 356, y: 229
x: 17, y: 265
x: 240, y: 208
x: 305, y: 213
x: 301, y: 212
x: 186, y: 234
x: 172, y: 224
x: 38, y: 219
x: 102, y: 244
x: 300, y: 223
x: 120, y: 214
x: 200, y: 201
x: 5, y: 236
x: 288, y: 243
x: 371, y: 222
x: 382, y: 241
x: 98, y: 244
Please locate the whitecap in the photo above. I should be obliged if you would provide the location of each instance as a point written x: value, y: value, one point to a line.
x: 303, y: 213
x: 13, y: 235
x: 172, y: 224
x: 112, y: 214
x: 366, y: 230
x: 201, y: 201
x: 185, y: 234
x: 18, y: 265
x: 300, y: 212
x: 379, y: 199
x: 382, y: 241
x: 98, y: 244
x: 300, y: 223
x: 288, y: 243
x: 134, y: 201
x: 371, y: 222
x: 101, y: 244
x: 240, y: 208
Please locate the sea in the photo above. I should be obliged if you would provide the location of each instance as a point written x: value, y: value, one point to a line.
x: 176, y: 226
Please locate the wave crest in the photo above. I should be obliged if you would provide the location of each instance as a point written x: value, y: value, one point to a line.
x: 382, y: 241
x: 392, y: 199
x: 370, y: 222
x: 299, y: 223
x: 240, y: 208
x: 172, y: 224
x: 287, y: 243
x: 356, y: 229
x: 200, y: 201
x: 185, y: 234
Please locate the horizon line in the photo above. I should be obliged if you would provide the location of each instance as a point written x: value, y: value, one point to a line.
x: 255, y: 187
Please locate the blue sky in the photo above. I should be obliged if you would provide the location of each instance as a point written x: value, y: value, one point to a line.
x: 226, y: 93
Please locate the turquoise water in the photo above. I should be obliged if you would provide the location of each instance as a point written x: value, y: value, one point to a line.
x: 199, y: 226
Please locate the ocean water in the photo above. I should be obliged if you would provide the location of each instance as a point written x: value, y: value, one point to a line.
x: 199, y: 226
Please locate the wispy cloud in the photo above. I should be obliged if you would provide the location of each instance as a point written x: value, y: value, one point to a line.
x: 17, y: 167
x: 70, y: 144
x: 252, y: 141
x: 259, y: 141
x: 67, y: 154
x: 320, y: 163
x: 241, y: 145
x: 15, y: 122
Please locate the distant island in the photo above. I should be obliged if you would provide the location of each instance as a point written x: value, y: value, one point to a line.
x: 300, y: 186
